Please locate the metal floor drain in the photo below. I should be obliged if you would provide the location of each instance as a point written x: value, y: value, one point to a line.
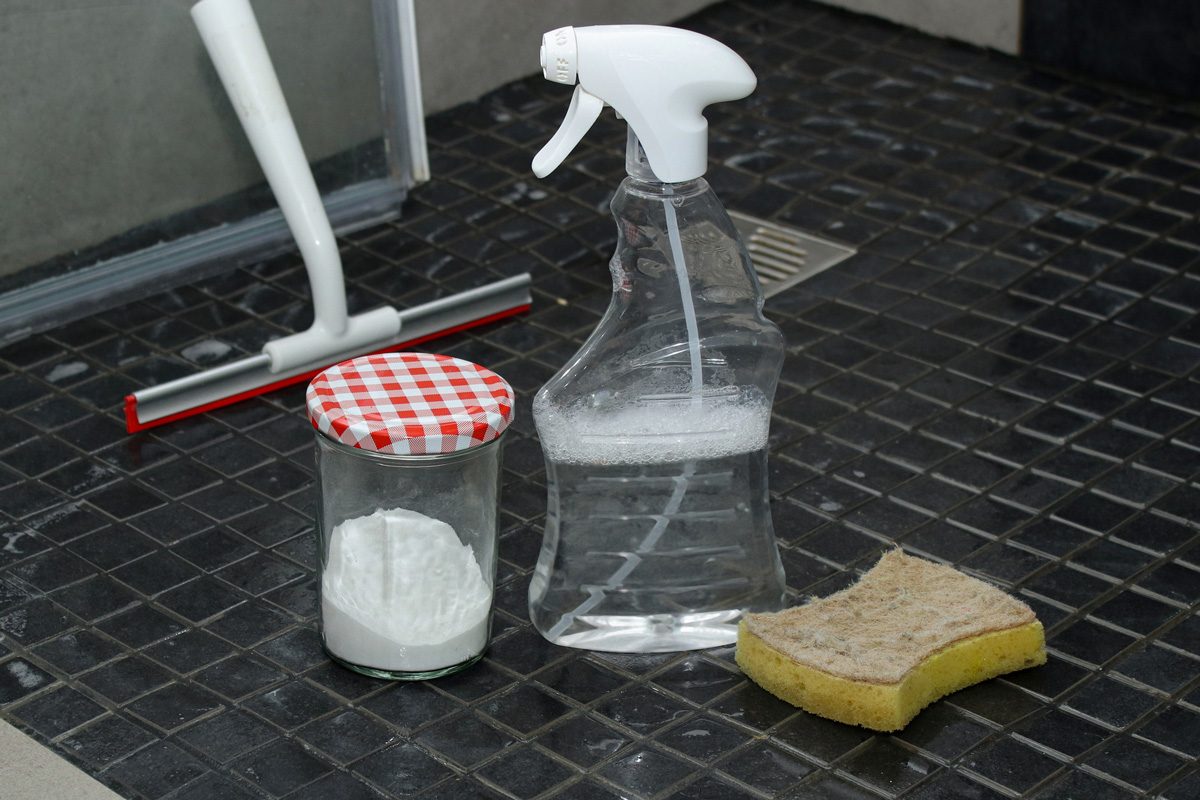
x: 784, y: 256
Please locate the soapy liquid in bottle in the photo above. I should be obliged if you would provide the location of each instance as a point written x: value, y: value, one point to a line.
x: 654, y: 512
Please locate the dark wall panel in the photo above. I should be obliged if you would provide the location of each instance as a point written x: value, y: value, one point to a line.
x: 1150, y: 43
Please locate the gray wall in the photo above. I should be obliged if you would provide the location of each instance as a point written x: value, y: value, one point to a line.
x: 112, y: 115
x: 987, y: 23
x: 471, y: 46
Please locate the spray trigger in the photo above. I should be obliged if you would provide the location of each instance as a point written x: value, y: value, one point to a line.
x: 583, y: 112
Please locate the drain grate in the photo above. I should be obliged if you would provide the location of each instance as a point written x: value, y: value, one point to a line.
x: 784, y: 256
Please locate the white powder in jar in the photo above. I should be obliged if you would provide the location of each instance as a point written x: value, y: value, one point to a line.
x: 400, y: 592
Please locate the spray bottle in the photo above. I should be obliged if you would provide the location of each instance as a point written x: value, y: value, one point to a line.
x: 658, y: 529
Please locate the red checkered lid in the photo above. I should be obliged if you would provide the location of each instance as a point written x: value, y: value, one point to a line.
x: 410, y: 403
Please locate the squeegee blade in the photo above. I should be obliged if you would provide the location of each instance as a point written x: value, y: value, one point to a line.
x: 252, y: 376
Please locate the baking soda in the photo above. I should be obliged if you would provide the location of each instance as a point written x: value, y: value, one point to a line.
x: 400, y: 592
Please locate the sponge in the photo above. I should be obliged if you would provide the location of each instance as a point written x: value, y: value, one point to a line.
x: 910, y: 631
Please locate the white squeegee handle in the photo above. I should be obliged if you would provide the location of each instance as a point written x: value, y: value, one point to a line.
x: 231, y: 35
x: 234, y: 42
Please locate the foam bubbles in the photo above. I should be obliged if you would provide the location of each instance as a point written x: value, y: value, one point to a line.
x: 658, y: 430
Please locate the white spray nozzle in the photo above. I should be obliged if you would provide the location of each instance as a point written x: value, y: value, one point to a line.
x: 559, y: 55
x: 658, y: 79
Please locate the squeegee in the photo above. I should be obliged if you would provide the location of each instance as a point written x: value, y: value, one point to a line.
x: 234, y: 42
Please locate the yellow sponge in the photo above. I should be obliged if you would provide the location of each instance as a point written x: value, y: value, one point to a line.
x: 910, y: 631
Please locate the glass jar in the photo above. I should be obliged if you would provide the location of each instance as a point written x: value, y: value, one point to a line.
x: 408, y: 474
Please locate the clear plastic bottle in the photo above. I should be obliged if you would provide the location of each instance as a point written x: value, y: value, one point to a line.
x: 658, y: 528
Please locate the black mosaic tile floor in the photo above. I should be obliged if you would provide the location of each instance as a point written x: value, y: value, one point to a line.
x: 1004, y: 378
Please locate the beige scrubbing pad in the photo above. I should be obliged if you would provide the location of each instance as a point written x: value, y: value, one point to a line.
x: 910, y: 631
